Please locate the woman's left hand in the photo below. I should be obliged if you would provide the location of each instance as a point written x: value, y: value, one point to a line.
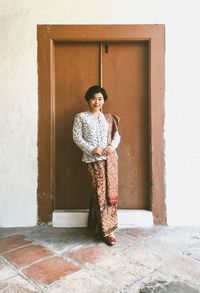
x: 108, y: 150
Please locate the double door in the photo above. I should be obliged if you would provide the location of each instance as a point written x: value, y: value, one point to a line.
x: 122, y: 69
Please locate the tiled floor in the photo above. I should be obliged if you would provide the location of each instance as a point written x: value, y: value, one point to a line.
x: 26, y: 255
x: 146, y: 260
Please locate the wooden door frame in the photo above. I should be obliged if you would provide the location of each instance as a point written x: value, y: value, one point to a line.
x: 47, y: 35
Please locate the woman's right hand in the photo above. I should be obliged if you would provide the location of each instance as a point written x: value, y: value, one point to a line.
x: 97, y: 151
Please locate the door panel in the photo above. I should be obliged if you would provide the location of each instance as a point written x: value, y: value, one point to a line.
x: 124, y: 70
x: 125, y: 76
x: 76, y: 68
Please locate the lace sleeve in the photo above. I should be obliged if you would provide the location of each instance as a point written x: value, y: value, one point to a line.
x: 78, y: 136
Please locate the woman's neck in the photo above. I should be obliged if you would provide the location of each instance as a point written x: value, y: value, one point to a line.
x: 96, y: 113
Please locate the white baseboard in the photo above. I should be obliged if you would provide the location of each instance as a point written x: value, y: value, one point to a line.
x: 78, y: 218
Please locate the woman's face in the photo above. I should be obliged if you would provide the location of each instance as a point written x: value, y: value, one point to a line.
x: 96, y: 103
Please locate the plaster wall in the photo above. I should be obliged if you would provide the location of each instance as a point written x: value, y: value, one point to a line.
x: 19, y: 100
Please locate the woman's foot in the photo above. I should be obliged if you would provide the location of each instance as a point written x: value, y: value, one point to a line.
x: 110, y: 239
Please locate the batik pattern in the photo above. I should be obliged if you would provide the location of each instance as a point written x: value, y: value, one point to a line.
x: 112, y: 161
x: 102, y: 216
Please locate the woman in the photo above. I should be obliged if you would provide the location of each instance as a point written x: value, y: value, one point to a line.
x: 97, y: 135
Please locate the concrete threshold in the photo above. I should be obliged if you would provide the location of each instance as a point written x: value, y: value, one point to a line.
x: 78, y: 218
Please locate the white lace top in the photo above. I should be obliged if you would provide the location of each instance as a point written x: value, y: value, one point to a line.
x: 89, y: 132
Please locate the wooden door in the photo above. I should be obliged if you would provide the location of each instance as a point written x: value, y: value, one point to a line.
x: 125, y: 75
x: 140, y: 128
x: 122, y: 68
x: 76, y: 68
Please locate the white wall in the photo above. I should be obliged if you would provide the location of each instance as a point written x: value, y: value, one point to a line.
x: 19, y: 101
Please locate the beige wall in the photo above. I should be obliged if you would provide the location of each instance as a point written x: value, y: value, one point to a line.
x: 19, y: 104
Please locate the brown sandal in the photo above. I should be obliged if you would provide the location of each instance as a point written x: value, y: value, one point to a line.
x: 109, y: 240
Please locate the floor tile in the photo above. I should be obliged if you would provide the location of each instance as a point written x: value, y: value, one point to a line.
x: 61, y: 240
x: 81, y: 282
x: 182, y: 267
x: 192, y: 251
x: 119, y: 271
x: 17, y: 285
x: 160, y: 283
x: 26, y: 255
x: 6, y: 270
x: 89, y: 254
x: 135, y: 232
x: 142, y: 232
x: 12, y: 242
x: 124, y: 241
x: 97, y: 252
x: 50, y: 270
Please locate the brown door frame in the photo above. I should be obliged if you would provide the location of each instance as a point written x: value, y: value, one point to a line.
x: 47, y: 35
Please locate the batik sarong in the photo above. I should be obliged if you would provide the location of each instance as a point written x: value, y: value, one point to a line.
x: 104, y: 186
x: 102, y: 215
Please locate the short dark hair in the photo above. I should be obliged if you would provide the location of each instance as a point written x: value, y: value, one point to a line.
x: 95, y: 89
